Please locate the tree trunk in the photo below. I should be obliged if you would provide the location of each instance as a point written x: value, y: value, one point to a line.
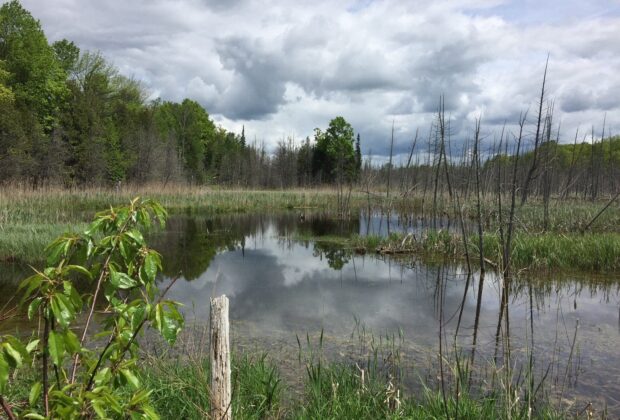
x: 220, y: 360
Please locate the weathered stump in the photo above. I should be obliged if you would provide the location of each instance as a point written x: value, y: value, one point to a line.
x: 220, y: 360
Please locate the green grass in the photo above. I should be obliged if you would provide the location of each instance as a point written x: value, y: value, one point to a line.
x: 596, y: 252
x: 331, y: 391
x: 63, y: 206
x: 31, y: 219
x: 27, y: 241
x: 181, y: 388
x: 336, y: 391
x: 590, y: 252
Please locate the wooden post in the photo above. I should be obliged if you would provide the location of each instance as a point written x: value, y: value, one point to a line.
x: 220, y: 360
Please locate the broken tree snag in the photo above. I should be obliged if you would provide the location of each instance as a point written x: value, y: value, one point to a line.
x: 220, y: 360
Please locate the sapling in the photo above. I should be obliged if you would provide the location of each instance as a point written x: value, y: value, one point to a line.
x: 87, y: 371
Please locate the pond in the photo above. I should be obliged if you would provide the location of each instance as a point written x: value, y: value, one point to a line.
x: 282, y: 287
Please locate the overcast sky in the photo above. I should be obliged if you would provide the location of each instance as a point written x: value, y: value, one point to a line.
x: 283, y: 67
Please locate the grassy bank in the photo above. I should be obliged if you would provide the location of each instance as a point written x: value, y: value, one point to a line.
x: 180, y: 390
x: 54, y: 205
x: 30, y: 219
x: 330, y: 391
x: 27, y: 241
x: 593, y: 252
x: 63, y: 206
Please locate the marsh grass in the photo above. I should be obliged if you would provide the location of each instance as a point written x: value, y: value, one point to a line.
x: 181, y: 387
x: 334, y: 390
x: 369, y: 383
x: 30, y: 219
x: 589, y: 252
x: 27, y: 241
x: 338, y: 392
x: 59, y: 205
x: 595, y: 252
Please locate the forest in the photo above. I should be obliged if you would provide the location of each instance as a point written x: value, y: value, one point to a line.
x: 61, y: 106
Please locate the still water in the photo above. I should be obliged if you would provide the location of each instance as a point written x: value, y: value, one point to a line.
x: 281, y: 287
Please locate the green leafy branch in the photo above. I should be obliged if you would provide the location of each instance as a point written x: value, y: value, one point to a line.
x: 89, y: 380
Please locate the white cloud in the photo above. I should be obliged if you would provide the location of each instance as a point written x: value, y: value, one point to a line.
x: 281, y: 68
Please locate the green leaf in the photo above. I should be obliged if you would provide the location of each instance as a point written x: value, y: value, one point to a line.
x: 35, y: 392
x: 151, y: 263
x: 18, y: 347
x: 68, y: 243
x: 144, y: 218
x: 131, y: 378
x: 32, y: 345
x: 140, y: 397
x: 29, y: 281
x: 168, y: 323
x: 113, y: 403
x: 102, y: 376
x: 95, y: 226
x: 136, y: 236
x: 54, y: 251
x: 73, y: 295
x: 33, y: 282
x: 99, y: 407
x: 160, y: 213
x: 34, y: 307
x: 150, y: 413
x: 89, y: 248
x: 80, y: 270
x: 62, y: 309
x: 56, y: 345
x: 14, y: 356
x: 4, y: 373
x: 122, y: 249
x: 34, y: 416
x: 71, y: 342
x: 137, y: 316
x: 121, y: 216
x: 122, y: 280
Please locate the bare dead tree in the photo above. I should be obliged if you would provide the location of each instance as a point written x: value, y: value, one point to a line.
x: 389, y: 168
x: 531, y: 172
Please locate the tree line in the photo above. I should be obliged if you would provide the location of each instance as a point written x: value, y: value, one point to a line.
x: 68, y: 117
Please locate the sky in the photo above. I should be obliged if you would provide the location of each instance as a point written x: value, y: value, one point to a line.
x: 281, y: 68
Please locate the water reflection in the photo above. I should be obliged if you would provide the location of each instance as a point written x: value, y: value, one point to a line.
x: 283, y: 286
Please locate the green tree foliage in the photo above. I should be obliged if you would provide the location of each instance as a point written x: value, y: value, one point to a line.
x: 6, y: 93
x: 334, y: 155
x: 36, y: 76
x: 12, y: 137
x: 68, y: 117
x: 67, y: 54
x: 87, y: 122
x: 189, y: 124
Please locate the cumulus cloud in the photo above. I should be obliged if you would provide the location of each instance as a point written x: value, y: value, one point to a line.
x: 281, y: 68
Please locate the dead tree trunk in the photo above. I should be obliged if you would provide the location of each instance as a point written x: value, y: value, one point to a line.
x: 220, y: 360
x: 532, y: 170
